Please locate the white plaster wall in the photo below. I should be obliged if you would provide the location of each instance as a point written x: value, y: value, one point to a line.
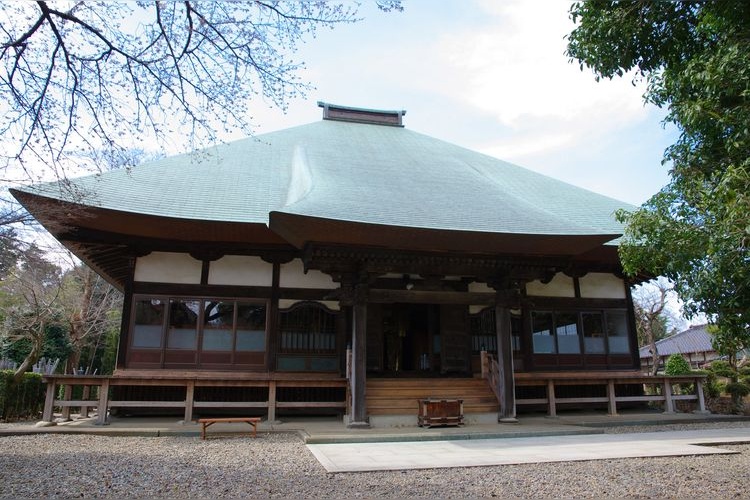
x: 330, y: 304
x: 293, y: 276
x: 168, y: 267
x: 476, y: 286
x: 560, y: 286
x: 601, y: 286
x: 476, y: 309
x: 240, y: 270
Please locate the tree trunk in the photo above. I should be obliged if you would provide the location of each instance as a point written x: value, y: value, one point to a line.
x: 654, y: 355
x: 37, y: 344
x: 71, y: 365
x: 77, y: 323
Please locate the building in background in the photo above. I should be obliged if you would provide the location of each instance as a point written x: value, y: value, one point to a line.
x: 694, y: 344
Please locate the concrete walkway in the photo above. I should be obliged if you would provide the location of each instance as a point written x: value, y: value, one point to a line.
x: 325, y: 430
x: 571, y: 436
x: 360, y: 457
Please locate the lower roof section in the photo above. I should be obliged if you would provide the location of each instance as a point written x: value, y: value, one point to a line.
x: 300, y: 230
x: 108, y: 240
x: 65, y: 219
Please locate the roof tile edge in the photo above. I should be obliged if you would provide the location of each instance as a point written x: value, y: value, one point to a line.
x: 336, y: 112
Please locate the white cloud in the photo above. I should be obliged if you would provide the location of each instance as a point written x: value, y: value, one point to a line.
x: 491, y: 76
x: 514, y: 67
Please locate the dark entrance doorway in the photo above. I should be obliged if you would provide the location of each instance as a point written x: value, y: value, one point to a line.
x: 418, y: 340
x: 411, y: 339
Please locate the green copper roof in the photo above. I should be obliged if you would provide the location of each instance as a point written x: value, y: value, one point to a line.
x: 354, y: 172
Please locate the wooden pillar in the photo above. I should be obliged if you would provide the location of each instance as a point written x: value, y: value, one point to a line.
x: 632, y: 337
x: 505, y: 383
x: 273, y: 319
x: 127, y: 307
x: 358, y: 416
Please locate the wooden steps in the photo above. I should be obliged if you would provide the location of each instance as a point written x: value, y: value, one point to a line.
x: 393, y: 396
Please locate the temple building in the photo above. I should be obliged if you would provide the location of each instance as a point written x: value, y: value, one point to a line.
x: 351, y: 265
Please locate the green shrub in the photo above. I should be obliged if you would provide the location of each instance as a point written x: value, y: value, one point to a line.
x: 722, y: 386
x: 737, y: 390
x: 713, y: 388
x: 23, y: 399
x: 744, y: 371
x: 676, y: 365
x: 722, y: 369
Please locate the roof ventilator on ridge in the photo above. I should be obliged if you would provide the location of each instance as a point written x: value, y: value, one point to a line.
x: 362, y: 115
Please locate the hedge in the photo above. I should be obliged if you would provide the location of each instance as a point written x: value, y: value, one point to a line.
x: 24, y: 399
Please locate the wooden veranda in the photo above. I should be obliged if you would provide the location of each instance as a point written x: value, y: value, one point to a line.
x: 100, y: 397
x: 664, y: 389
x: 97, y: 391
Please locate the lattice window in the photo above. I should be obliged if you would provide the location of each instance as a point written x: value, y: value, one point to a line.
x: 483, y: 328
x: 308, y: 328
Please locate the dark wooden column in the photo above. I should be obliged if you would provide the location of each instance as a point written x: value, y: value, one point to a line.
x: 507, y: 296
x: 273, y: 319
x: 358, y: 416
x: 505, y: 384
x: 632, y: 336
x: 127, y: 308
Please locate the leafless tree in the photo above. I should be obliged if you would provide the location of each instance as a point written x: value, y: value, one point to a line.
x: 652, y: 317
x: 37, y: 294
x: 30, y: 302
x: 90, y: 308
x: 92, y: 75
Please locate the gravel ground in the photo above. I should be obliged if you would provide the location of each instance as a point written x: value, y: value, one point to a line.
x: 279, y: 465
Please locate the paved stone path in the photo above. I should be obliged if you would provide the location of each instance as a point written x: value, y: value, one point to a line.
x: 360, y: 457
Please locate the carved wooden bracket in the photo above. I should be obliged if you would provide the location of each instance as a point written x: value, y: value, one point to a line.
x: 206, y: 254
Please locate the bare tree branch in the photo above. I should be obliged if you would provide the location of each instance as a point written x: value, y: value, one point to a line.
x: 93, y: 75
x: 652, y: 320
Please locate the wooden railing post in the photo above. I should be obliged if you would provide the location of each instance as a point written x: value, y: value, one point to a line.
x: 551, y: 400
x: 611, y: 397
x: 85, y: 396
x: 189, y: 400
x: 49, y: 402
x: 67, y: 395
x: 272, y: 401
x: 701, y: 398
x: 668, y: 403
x: 483, y: 363
x: 101, y: 418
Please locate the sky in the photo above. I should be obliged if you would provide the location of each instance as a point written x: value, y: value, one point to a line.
x: 491, y: 76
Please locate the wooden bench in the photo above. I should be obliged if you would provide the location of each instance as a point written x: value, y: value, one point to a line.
x: 208, y: 422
